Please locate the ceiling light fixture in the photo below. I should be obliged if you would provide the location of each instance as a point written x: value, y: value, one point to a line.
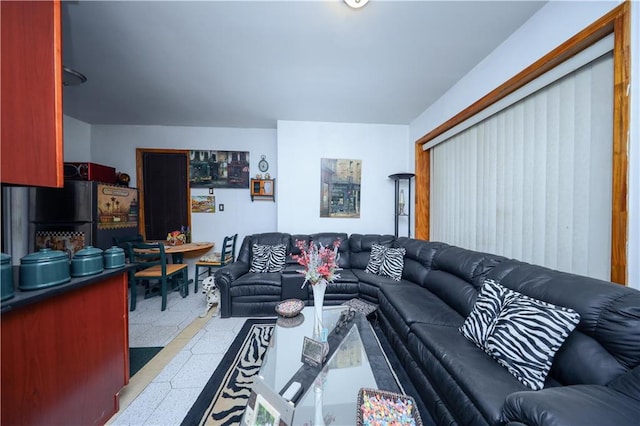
x: 356, y: 4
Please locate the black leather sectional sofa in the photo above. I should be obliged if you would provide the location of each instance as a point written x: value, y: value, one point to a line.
x: 595, y: 377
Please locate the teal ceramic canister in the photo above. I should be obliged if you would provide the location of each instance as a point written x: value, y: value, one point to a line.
x: 113, y: 257
x: 87, y: 261
x: 6, y: 277
x: 44, y: 268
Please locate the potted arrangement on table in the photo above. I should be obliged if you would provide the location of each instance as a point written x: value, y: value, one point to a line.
x: 177, y: 238
x: 320, y: 268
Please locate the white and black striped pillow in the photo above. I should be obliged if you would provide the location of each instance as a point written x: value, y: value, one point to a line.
x: 277, y: 258
x: 482, y: 318
x: 266, y: 258
x: 393, y: 263
x: 375, y: 259
x: 526, y: 336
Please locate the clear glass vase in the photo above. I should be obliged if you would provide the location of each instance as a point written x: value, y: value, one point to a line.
x: 318, y: 301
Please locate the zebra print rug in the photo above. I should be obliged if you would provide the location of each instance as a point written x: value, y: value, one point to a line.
x: 225, y: 396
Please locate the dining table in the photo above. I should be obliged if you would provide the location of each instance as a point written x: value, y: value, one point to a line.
x: 179, y: 251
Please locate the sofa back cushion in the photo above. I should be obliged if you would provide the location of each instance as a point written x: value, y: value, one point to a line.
x: 294, y: 250
x: 457, y: 276
x: 418, y: 258
x: 360, y: 246
x: 328, y: 238
x: 606, y: 342
x: 268, y: 238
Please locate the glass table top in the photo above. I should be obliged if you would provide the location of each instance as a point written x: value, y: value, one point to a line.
x: 332, y: 390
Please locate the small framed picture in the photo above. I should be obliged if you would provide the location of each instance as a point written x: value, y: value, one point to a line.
x: 313, y: 352
x: 264, y: 414
x: 266, y: 406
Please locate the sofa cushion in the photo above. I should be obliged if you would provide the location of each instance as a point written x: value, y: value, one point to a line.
x: 268, y: 283
x: 294, y: 250
x: 416, y: 304
x: 386, y: 261
x: 268, y: 258
x: 328, y: 239
x: 521, y: 333
x: 347, y: 276
x: 375, y: 259
x: 267, y: 238
x: 526, y: 336
x: 341, y: 291
x: 457, y: 276
x: 418, y: 258
x: 479, y: 324
x: 392, y: 263
x: 584, y: 405
x: 609, y: 319
x: 573, y: 363
x: 628, y: 384
x: 360, y: 246
x: 462, y: 374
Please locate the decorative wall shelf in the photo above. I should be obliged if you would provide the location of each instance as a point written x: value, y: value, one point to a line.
x: 263, y: 189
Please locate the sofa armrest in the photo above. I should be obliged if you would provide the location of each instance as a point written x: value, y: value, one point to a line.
x: 224, y: 277
x: 585, y: 405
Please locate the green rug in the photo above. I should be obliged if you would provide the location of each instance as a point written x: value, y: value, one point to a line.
x: 138, y: 357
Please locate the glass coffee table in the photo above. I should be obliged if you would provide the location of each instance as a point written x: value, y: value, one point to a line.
x: 355, y: 360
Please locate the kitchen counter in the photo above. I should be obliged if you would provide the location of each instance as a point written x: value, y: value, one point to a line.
x: 65, y: 351
x: 24, y: 298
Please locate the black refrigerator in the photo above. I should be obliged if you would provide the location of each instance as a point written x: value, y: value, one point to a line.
x: 80, y: 214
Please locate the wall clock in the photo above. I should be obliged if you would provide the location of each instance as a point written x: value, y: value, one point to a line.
x: 263, y: 165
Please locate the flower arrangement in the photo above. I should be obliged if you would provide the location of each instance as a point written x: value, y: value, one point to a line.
x: 176, y: 238
x: 320, y: 262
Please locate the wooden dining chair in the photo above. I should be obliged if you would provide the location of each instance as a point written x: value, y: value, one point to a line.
x: 226, y: 256
x: 152, y: 261
x: 122, y: 241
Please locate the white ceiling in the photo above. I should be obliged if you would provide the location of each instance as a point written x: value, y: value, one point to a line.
x: 250, y: 63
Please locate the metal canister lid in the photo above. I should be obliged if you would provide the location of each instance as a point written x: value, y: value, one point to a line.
x: 89, y: 251
x: 5, y: 258
x: 44, y: 255
x: 114, y: 250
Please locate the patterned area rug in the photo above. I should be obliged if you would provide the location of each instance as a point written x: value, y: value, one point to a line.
x: 225, y: 396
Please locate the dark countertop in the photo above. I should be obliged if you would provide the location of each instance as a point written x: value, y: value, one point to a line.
x: 23, y: 298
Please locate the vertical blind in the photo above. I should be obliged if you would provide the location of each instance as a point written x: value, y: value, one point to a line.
x: 533, y: 181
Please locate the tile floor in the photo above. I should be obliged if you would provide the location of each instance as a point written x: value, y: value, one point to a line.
x: 164, y: 390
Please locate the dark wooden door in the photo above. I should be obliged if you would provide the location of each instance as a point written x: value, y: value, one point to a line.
x: 165, y: 193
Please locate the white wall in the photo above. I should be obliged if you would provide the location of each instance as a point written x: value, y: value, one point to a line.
x: 77, y: 140
x: 551, y: 26
x: 383, y: 149
x: 116, y: 146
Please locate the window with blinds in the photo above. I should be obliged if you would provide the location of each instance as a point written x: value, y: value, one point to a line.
x: 533, y: 180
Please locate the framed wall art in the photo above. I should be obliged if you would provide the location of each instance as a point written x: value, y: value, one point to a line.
x: 340, y: 187
x: 219, y: 169
x: 203, y: 204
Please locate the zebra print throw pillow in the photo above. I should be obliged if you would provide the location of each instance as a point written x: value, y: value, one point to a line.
x: 482, y: 318
x: 267, y: 258
x: 375, y: 259
x: 526, y: 336
x: 393, y: 263
x: 277, y: 258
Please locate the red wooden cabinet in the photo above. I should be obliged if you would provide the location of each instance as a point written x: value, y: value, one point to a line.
x: 31, y: 81
x: 65, y: 359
